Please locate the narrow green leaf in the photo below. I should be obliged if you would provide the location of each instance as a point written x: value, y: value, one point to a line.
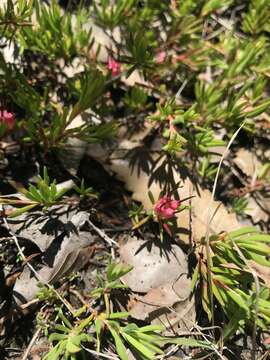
x: 22, y: 210
x: 120, y: 348
x: 148, y: 328
x: 72, y: 348
x: 242, y: 231
x: 188, y: 342
x: 139, y: 346
x: 57, y: 337
x: 118, y: 315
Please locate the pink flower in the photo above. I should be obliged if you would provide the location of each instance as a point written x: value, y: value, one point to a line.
x: 166, y: 207
x: 114, y: 66
x: 161, y: 56
x: 7, y: 118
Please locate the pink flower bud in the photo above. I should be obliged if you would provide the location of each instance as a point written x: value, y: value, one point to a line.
x: 7, y: 118
x: 166, y: 208
x: 161, y: 56
x: 114, y: 66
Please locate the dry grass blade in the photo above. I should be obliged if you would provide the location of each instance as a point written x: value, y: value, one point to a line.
x: 210, y: 216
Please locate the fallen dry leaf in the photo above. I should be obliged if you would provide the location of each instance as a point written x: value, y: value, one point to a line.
x: 258, y: 212
x: 262, y: 271
x: 153, y: 266
x: 66, y: 253
x: 247, y: 162
x: 161, y: 273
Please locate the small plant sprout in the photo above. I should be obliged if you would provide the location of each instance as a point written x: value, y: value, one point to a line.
x: 85, y: 192
x: 240, y: 205
x: 44, y: 194
x: 113, y: 275
x: 68, y: 339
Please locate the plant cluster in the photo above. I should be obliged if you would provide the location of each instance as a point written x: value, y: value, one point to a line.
x: 202, y: 73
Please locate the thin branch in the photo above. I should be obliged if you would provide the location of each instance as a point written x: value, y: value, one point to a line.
x: 102, y: 234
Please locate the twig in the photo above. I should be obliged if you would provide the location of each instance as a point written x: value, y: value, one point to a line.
x: 100, y: 354
x: 29, y: 347
x: 179, y: 92
x: 209, y: 342
x: 102, y: 234
x: 227, y: 26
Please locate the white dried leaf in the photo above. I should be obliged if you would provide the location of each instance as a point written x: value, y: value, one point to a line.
x: 247, y: 162
x: 153, y: 266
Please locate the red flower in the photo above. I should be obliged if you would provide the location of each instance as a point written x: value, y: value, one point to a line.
x: 114, y: 66
x: 166, y: 207
x: 7, y: 118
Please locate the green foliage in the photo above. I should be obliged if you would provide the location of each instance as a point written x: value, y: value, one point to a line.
x: 183, y: 132
x: 110, y: 15
x: 140, y: 50
x: 56, y: 33
x: 85, y: 192
x: 214, y: 78
x: 90, y: 86
x: 206, y: 169
x: 230, y: 277
x: 68, y: 339
x: 46, y: 293
x: 14, y: 14
x: 44, y: 194
x: 256, y: 19
x: 113, y: 275
x: 73, y: 338
x: 136, y: 99
x: 213, y: 5
x: 239, y: 205
x: 144, y: 341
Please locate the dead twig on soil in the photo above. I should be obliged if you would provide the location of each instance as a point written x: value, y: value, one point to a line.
x: 103, y: 235
x: 32, y: 342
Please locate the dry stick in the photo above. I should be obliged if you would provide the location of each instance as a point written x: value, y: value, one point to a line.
x: 100, y: 354
x: 227, y: 26
x: 34, y: 338
x: 29, y: 347
x: 14, y: 237
x: 179, y: 92
x: 102, y: 234
x: 210, y: 217
x: 209, y: 342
